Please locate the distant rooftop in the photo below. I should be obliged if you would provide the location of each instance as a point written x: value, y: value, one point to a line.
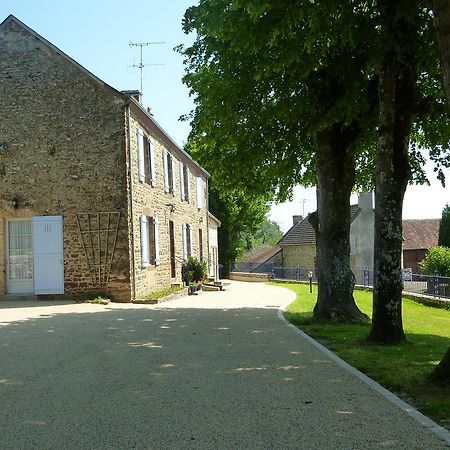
x: 302, y: 232
x: 420, y: 233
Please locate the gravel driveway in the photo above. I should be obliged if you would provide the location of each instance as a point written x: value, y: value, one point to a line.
x: 215, y: 371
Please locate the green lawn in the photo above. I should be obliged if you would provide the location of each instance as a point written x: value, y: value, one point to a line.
x: 400, y: 368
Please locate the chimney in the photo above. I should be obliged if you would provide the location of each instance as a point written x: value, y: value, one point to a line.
x: 297, y: 219
x: 365, y: 202
x: 135, y: 94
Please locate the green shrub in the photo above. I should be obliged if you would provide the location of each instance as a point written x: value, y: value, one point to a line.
x: 437, y: 261
x: 444, y: 227
x: 194, y: 270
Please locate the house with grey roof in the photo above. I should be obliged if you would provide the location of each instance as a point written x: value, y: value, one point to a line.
x: 298, y: 245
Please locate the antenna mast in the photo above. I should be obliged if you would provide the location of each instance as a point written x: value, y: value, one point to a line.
x: 141, y: 64
x: 303, y: 201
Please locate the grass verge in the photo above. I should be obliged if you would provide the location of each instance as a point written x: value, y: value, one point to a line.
x: 164, y: 292
x: 401, y: 368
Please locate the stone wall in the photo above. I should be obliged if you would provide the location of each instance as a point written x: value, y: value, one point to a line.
x: 298, y: 255
x: 155, y: 202
x: 253, y: 277
x: 62, y: 152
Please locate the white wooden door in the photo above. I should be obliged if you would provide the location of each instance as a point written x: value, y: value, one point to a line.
x: 48, y: 255
x: 19, y: 244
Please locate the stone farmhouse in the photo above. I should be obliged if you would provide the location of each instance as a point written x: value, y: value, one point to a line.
x: 94, y: 195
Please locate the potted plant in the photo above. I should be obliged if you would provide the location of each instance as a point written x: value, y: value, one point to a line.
x: 194, y: 272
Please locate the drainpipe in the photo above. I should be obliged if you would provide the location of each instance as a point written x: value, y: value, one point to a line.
x: 130, y: 204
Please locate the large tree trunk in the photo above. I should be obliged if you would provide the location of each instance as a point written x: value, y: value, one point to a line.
x: 335, y: 171
x: 441, y: 373
x: 441, y: 10
x: 397, y: 104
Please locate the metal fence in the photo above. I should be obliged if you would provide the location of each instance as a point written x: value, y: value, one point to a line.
x: 430, y: 285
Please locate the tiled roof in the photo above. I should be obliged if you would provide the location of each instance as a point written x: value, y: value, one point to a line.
x: 420, y: 233
x: 302, y: 232
x: 262, y: 256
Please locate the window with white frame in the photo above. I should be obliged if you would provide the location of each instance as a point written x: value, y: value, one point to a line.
x: 146, y: 158
x: 187, y: 240
x: 184, y: 182
x: 169, y: 175
x: 149, y: 241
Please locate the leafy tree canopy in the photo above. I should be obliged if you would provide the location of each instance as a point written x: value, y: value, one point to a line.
x: 444, y: 227
x: 437, y: 261
x: 268, y: 233
x: 267, y: 76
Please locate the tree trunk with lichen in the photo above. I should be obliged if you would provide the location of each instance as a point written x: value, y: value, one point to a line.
x: 441, y: 10
x: 441, y: 373
x: 397, y: 86
x: 335, y: 172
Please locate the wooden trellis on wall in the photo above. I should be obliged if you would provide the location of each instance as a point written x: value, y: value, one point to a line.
x: 98, y: 232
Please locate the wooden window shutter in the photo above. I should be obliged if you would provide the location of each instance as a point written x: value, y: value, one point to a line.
x: 190, y: 246
x: 144, y: 242
x: 182, y: 180
x: 140, y: 148
x: 172, y: 163
x: 200, y: 244
x: 183, y: 228
x: 199, y: 192
x: 166, y: 171
x: 152, y: 162
x: 156, y: 240
x: 151, y: 239
x: 187, y: 188
x: 146, y: 160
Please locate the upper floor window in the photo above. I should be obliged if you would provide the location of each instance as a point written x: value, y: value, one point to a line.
x: 146, y: 159
x: 184, y: 182
x: 187, y: 240
x: 169, y: 175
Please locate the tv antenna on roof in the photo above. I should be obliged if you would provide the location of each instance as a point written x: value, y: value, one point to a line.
x: 141, y: 64
x: 302, y: 202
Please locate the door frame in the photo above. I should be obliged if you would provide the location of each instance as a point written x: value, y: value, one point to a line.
x: 7, y: 262
x: 173, y: 269
x: 46, y: 290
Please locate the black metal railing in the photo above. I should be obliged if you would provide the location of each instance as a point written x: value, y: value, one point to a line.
x: 429, y: 285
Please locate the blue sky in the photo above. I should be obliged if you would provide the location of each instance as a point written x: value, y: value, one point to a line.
x: 97, y: 33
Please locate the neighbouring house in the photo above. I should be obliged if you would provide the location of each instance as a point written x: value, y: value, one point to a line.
x: 298, y: 245
x: 419, y: 235
x: 297, y: 248
x: 94, y: 195
x: 362, y: 233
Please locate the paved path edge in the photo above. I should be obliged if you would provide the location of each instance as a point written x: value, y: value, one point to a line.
x: 388, y: 395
